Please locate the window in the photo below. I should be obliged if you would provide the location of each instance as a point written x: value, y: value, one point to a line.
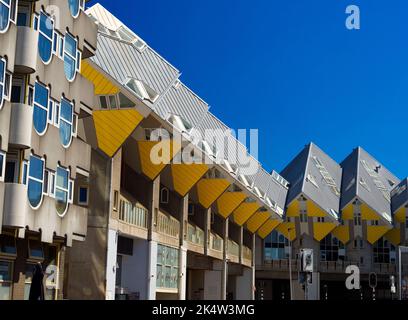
x: 71, y: 65
x: 3, y: 66
x: 164, y: 195
x: 179, y: 123
x: 357, y: 219
x: 35, y: 181
x: 167, y: 267
x: 51, y: 104
x: 17, y: 89
x: 190, y: 209
x: 276, y: 247
x: 83, y: 196
x: 12, y: 166
x: 6, y: 269
x: 51, y: 187
x: 103, y: 102
x: 65, y: 123
x: 2, y: 165
x: 381, y: 251
x: 320, y: 219
x: 124, y: 102
x: 115, y: 200
x: 5, y: 14
x: 46, y: 182
x: 40, y: 112
x: 25, y: 172
x: 330, y: 249
x: 8, y: 246
x: 142, y: 90
x: 45, y: 38
x: 62, y: 191
x: 74, y: 7
x: 35, y: 250
x: 303, y: 217
x: 57, y: 108
x: 23, y: 15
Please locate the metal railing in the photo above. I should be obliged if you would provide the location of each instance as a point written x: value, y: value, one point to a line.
x: 216, y: 242
x: 134, y: 214
x: 246, y: 253
x: 195, y: 235
x: 232, y: 248
x: 279, y: 265
x: 167, y: 225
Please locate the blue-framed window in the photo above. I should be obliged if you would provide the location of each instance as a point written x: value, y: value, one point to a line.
x: 40, y: 113
x: 65, y: 123
x: 63, y: 192
x: 35, y: 181
x: 74, y: 7
x: 5, y: 14
x: 72, y: 57
x: 45, y: 38
x: 2, y: 80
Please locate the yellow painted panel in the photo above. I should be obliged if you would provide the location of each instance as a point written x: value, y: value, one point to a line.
x: 228, y: 202
x: 103, y: 86
x: 368, y: 214
x: 244, y: 212
x: 313, y: 210
x: 348, y: 212
x: 376, y: 232
x: 185, y: 176
x: 267, y: 228
x: 394, y: 235
x: 401, y: 214
x: 113, y: 127
x: 288, y: 229
x: 293, y: 209
x: 322, y: 229
x: 257, y: 220
x: 209, y: 190
x: 342, y: 233
x: 151, y: 166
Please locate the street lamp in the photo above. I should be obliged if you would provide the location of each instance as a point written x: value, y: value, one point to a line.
x: 290, y: 264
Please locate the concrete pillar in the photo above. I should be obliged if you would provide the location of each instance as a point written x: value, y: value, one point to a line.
x: 183, y: 218
x: 240, y: 242
x: 154, y: 194
x: 224, y: 272
x: 207, y: 230
x: 253, y: 279
x: 111, y: 261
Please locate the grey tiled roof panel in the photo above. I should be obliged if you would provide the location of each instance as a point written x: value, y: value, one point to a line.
x: 122, y: 60
x: 349, y: 178
x: 277, y: 193
x: 400, y: 195
x: 327, y: 194
x: 182, y: 101
x: 303, y: 167
x: 366, y: 188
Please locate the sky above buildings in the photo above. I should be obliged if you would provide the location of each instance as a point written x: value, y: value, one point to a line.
x: 291, y: 69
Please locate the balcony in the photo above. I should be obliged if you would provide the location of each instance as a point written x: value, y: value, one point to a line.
x: 16, y: 206
x: 246, y: 256
x: 279, y: 265
x: 195, y: 238
x: 385, y: 268
x: 167, y: 225
x: 26, y: 50
x: 21, y: 125
x: 233, y: 251
x: 216, y: 246
x: 133, y: 214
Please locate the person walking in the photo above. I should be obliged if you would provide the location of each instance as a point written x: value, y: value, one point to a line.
x: 37, y: 286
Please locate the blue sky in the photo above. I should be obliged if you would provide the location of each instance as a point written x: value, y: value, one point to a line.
x: 291, y: 69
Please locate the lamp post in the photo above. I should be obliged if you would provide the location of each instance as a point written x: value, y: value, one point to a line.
x: 290, y: 265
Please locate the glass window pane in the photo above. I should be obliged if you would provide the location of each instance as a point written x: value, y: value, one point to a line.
x: 74, y: 7
x: 1, y: 164
x: 65, y: 131
x: 66, y: 110
x: 83, y: 194
x: 4, y: 17
x: 112, y: 101
x: 5, y: 271
x: 70, y: 45
x: 69, y: 67
x: 61, y: 201
x: 8, y: 245
x: 36, y: 168
x: 34, y: 191
x: 124, y: 102
x: 62, y: 178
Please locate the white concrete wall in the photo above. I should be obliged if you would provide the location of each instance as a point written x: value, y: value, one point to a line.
x: 134, y: 273
x: 111, y: 264
x: 152, y: 270
x: 244, y: 285
x: 212, y: 285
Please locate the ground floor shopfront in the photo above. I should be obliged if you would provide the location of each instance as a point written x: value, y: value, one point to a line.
x: 17, y: 260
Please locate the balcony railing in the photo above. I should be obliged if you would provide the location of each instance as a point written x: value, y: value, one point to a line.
x: 134, y: 214
x: 385, y: 268
x: 168, y: 225
x: 216, y: 242
x: 279, y: 265
x: 195, y: 235
x: 233, y: 248
x: 247, y: 253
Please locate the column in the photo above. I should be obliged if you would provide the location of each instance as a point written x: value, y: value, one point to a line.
x: 207, y: 230
x: 224, y: 275
x: 183, y: 218
x: 152, y: 246
x: 253, y: 266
